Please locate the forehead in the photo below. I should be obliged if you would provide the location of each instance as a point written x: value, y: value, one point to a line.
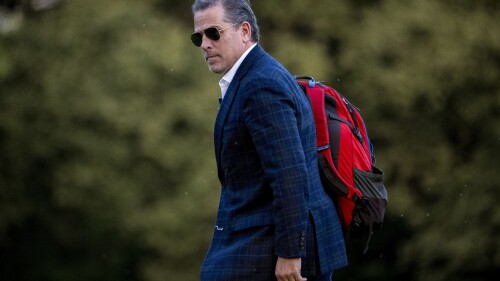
x: 213, y: 16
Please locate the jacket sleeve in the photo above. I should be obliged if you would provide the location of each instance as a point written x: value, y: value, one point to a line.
x: 272, y: 119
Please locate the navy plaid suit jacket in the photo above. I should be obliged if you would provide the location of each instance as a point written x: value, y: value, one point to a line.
x: 272, y: 201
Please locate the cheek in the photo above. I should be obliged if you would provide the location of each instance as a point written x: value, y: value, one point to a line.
x: 232, y: 52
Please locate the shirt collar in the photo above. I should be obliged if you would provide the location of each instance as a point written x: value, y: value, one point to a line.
x: 228, y: 77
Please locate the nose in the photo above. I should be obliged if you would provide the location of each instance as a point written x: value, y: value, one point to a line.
x: 205, y: 42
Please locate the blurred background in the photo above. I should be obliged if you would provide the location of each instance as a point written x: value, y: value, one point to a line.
x: 107, y: 169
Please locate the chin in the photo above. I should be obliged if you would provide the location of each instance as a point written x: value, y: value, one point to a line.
x: 215, y: 68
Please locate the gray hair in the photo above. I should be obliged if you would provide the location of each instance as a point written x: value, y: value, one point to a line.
x: 236, y: 11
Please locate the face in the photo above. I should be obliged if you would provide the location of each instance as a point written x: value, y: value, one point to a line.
x: 222, y: 54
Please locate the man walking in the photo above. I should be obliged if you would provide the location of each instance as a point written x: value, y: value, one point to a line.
x: 275, y: 221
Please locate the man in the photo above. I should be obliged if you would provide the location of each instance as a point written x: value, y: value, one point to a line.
x: 275, y: 221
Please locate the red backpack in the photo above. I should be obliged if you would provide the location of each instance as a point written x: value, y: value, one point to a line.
x: 346, y: 161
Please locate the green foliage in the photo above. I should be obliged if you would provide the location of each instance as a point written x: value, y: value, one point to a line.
x: 106, y: 115
x: 428, y: 78
x: 104, y: 142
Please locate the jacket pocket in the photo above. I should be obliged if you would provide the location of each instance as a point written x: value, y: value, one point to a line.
x: 252, y: 220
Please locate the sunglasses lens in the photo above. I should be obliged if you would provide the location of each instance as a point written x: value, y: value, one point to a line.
x: 212, y: 33
x: 196, y: 38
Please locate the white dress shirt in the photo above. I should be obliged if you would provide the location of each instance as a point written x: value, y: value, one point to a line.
x: 226, y: 79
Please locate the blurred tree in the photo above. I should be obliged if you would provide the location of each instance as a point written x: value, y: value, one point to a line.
x: 427, y: 72
x: 106, y: 116
x: 105, y: 148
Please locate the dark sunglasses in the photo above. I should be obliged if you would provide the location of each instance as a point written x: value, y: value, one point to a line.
x: 212, y: 33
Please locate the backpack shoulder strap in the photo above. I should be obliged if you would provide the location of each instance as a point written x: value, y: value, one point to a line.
x: 316, y: 94
x: 317, y: 97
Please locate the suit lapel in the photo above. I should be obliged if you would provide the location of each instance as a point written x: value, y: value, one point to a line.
x: 228, y: 100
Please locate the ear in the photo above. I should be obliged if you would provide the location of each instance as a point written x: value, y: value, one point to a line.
x: 246, y: 31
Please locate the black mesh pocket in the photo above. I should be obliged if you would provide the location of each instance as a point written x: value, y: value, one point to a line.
x: 368, y: 215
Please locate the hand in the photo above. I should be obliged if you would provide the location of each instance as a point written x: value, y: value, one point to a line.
x: 288, y: 269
